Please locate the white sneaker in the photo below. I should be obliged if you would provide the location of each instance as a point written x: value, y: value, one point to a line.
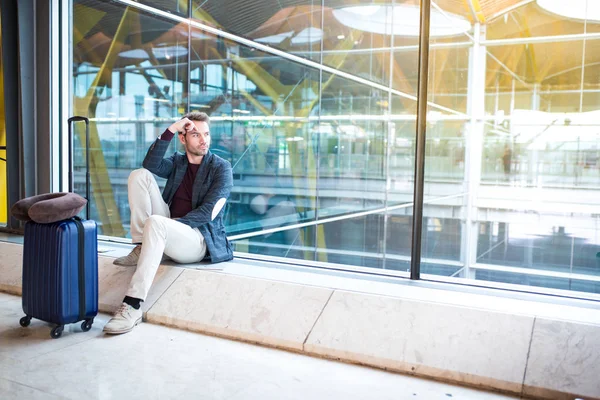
x: 125, y: 319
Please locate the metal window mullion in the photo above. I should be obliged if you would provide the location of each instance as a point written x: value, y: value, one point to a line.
x: 389, y: 142
x: 42, y: 94
x: 26, y: 77
x: 576, y: 37
x: 64, y: 51
x: 10, y: 70
x: 55, y: 115
x: 189, y: 63
x: 318, y: 155
x: 415, y: 265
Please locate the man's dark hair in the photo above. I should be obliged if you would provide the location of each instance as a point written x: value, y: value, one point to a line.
x: 197, y: 116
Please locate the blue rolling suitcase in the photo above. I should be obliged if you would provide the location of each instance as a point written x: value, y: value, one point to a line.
x: 60, y: 265
x: 60, y: 273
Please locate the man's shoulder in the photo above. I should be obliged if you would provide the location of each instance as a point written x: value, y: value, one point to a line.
x: 219, y: 162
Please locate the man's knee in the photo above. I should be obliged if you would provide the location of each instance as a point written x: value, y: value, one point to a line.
x: 155, y: 222
x: 140, y: 174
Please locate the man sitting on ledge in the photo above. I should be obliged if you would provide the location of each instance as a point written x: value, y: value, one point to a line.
x: 185, y: 223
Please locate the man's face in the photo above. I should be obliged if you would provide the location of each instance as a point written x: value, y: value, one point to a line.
x: 197, y: 140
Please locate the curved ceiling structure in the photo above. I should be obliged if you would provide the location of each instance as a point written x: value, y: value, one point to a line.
x: 303, y: 27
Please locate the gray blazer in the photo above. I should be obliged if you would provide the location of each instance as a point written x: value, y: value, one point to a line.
x: 214, y: 181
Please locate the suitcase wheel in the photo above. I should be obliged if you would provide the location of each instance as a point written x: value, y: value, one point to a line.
x: 57, y: 332
x: 25, y: 321
x: 87, y: 324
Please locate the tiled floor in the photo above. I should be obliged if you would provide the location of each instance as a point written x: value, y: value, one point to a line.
x: 155, y: 362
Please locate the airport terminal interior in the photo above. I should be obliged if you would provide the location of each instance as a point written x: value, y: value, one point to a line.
x: 414, y: 211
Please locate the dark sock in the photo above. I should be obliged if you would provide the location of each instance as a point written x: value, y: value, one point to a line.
x: 132, y: 301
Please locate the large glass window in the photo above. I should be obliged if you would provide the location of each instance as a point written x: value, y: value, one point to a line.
x: 528, y: 145
x: 322, y: 146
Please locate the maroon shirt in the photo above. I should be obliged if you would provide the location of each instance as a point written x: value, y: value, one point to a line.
x: 182, y: 201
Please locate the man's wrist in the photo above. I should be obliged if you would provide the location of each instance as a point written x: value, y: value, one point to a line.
x: 167, y: 135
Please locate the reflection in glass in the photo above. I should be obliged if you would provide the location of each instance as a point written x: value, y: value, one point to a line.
x: 296, y: 28
x: 179, y: 7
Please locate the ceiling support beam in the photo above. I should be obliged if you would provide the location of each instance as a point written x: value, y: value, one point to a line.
x: 476, y: 12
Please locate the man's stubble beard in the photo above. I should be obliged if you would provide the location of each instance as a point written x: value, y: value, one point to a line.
x: 196, y: 153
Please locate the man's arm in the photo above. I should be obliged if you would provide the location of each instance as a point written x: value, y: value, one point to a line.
x: 154, y: 160
x: 214, y: 201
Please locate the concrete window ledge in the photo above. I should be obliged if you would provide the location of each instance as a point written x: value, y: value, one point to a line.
x: 528, y: 348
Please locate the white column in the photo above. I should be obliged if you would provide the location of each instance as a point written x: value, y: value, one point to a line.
x: 473, y: 149
x: 535, y: 97
x: 534, y: 174
x: 61, y: 66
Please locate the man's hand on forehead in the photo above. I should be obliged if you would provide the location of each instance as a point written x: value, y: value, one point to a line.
x: 189, y: 126
x: 183, y: 126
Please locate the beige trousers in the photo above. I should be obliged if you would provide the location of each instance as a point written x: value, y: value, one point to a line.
x: 152, y: 226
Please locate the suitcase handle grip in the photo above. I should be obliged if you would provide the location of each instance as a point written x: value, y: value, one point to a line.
x: 70, y: 121
x: 79, y: 119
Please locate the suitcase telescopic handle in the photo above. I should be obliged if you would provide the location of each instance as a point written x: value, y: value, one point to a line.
x: 87, y: 159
